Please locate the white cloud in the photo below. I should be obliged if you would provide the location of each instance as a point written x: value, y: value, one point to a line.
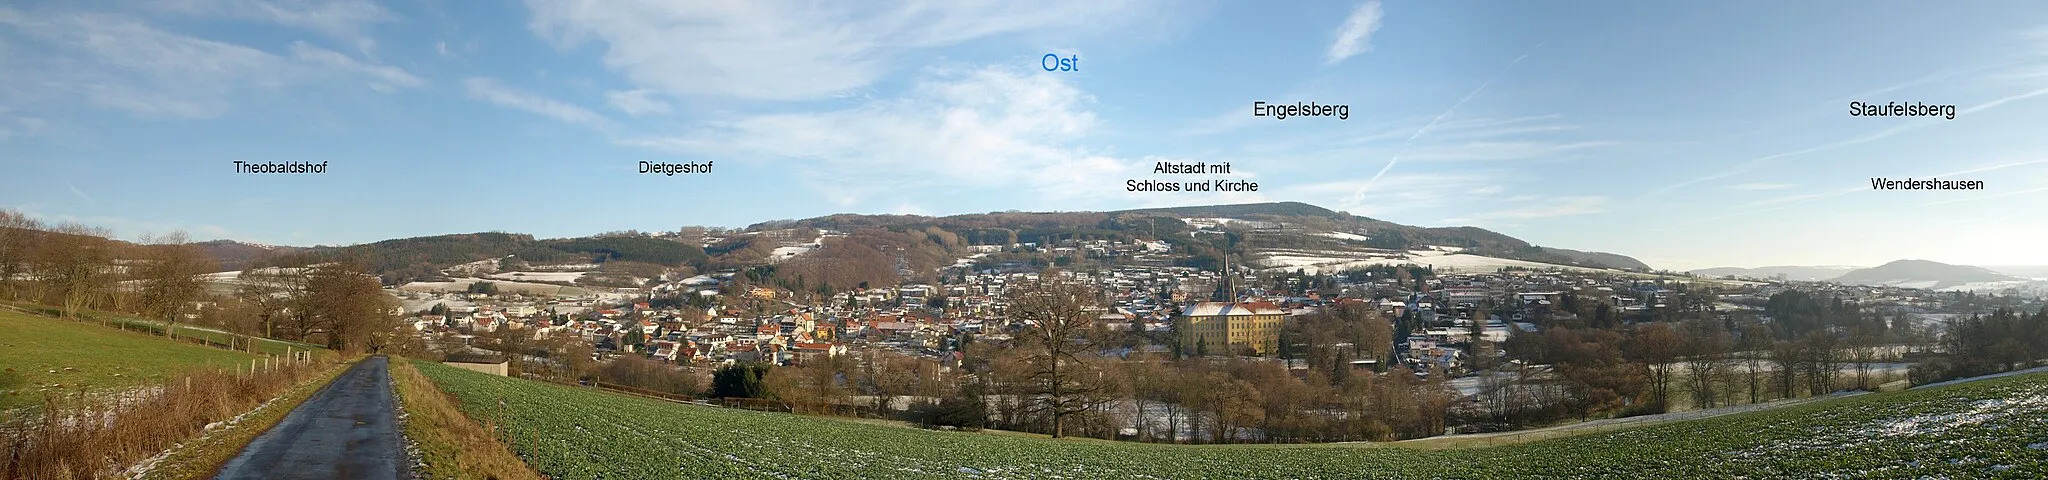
x: 1355, y: 36
x: 1501, y: 150
x: 489, y: 90
x: 12, y: 125
x: 1866, y: 138
x: 120, y: 62
x: 80, y: 193
x: 1760, y: 186
x: 989, y: 128
x: 1405, y: 193
x: 132, y: 229
x: 117, y: 62
x: 344, y: 19
x: 638, y: 102
x: 1537, y: 208
x: 387, y: 77
x: 907, y: 208
x: 791, y: 49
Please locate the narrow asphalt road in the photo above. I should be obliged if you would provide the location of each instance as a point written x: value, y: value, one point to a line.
x: 346, y: 430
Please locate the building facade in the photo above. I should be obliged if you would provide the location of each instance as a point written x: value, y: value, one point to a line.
x: 1216, y: 328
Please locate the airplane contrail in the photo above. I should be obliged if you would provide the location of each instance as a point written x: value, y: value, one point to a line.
x: 1360, y: 194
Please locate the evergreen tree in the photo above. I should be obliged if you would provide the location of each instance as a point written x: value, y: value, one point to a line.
x: 739, y: 381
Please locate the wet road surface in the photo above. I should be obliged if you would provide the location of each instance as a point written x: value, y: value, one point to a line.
x: 348, y: 429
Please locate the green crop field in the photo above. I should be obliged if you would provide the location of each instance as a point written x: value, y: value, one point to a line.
x: 51, y: 355
x: 1989, y: 429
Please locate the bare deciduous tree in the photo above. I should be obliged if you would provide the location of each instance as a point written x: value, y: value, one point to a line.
x: 76, y: 263
x: 1657, y: 347
x: 168, y: 277
x: 1704, y: 342
x: 1059, y: 315
x: 18, y: 233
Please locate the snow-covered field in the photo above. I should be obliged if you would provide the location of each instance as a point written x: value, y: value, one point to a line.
x: 473, y: 268
x: 2028, y: 287
x: 505, y: 286
x: 567, y: 277
x: 1345, y: 236
x: 451, y: 301
x: 785, y: 253
x: 1442, y: 261
x: 1208, y: 222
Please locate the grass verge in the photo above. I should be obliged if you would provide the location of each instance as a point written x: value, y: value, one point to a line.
x: 201, y: 457
x: 188, y: 333
x: 47, y: 356
x: 450, y: 444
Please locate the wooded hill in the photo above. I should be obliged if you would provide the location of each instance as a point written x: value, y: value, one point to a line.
x: 999, y: 228
x: 406, y: 259
x: 877, y: 245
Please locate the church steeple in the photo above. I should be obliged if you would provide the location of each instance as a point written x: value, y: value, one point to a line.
x: 1226, y: 291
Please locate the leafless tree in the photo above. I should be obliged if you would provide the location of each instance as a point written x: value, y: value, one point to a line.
x: 1058, y: 315
x: 18, y: 233
x: 1704, y: 343
x: 349, y: 305
x: 1863, y: 351
x: 76, y: 263
x: 1656, y: 346
x: 1755, y: 346
x: 278, y: 295
x: 1788, y: 357
x: 1823, y: 361
x: 169, y: 276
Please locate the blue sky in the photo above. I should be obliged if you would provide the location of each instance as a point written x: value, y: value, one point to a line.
x: 1687, y: 135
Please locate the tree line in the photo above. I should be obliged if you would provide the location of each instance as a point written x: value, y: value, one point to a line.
x: 79, y: 268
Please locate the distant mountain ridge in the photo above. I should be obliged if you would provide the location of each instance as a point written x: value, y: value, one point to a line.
x: 1610, y: 260
x: 1168, y: 221
x: 1789, y: 272
x: 1922, y: 274
x: 1241, y: 210
x: 420, y: 257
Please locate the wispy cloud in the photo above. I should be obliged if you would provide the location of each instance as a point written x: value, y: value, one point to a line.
x: 1760, y: 186
x: 489, y: 90
x: 1362, y: 189
x: 80, y: 193
x: 1865, y: 138
x: 12, y: 125
x: 1783, y: 202
x: 385, y: 78
x: 1355, y: 35
x: 342, y: 19
x: 995, y: 128
x: 638, y: 102
x: 907, y: 208
x: 1404, y: 193
x: 121, y: 62
x: 133, y: 229
x: 1538, y: 207
x: 791, y: 49
x: 1502, y: 150
x: 1988, y: 197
